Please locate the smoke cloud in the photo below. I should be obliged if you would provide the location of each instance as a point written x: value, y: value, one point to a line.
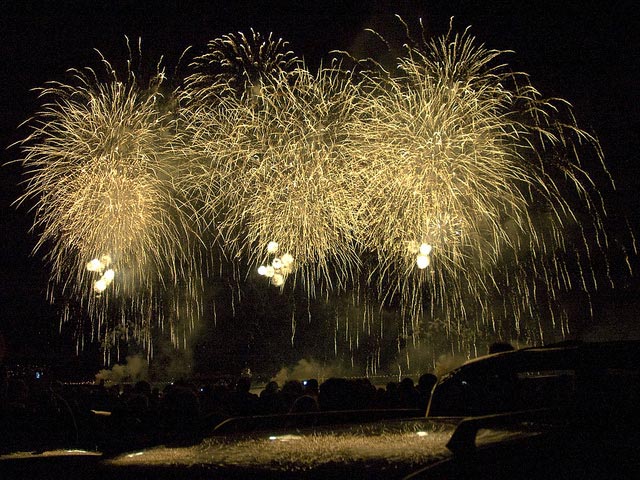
x: 305, y: 369
x: 136, y: 369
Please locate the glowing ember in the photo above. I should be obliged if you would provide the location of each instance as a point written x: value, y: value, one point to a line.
x: 423, y: 261
x: 95, y: 265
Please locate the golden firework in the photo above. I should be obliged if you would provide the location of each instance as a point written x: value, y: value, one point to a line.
x: 100, y: 171
x: 447, y: 183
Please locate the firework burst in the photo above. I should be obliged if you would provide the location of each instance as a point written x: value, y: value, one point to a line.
x: 461, y: 162
x: 448, y: 183
x: 276, y: 168
x: 235, y: 64
x: 100, y: 174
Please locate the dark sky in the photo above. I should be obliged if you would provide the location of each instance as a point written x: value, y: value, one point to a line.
x: 589, y: 55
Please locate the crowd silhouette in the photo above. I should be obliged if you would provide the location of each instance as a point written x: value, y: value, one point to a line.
x: 38, y: 415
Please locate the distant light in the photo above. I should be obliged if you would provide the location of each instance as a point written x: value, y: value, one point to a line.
x: 423, y: 261
x: 277, y: 263
x: 285, y: 438
x: 106, y: 260
x: 262, y: 270
x: 422, y: 434
x: 109, y: 275
x: 425, y: 249
x: 269, y: 271
x: 277, y: 280
x: 272, y: 247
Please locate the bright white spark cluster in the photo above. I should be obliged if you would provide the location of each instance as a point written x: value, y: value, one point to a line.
x: 442, y: 182
x: 279, y: 267
x: 100, y: 172
x: 99, y: 265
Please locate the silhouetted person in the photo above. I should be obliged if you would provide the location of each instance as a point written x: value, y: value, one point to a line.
x: 343, y: 394
x: 270, y: 401
x: 390, y: 398
x: 213, y: 404
x: 243, y: 402
x: 291, y: 390
x: 407, y: 394
x: 180, y: 410
x: 335, y: 395
x: 311, y: 388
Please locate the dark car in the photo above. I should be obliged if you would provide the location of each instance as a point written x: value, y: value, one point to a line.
x: 584, y: 376
x: 581, y: 399
x: 566, y: 411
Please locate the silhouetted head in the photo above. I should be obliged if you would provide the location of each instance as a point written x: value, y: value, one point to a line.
x: 243, y: 384
x: 271, y: 387
x: 426, y: 382
x: 304, y: 404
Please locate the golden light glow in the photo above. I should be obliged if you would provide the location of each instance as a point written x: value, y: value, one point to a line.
x: 287, y: 259
x: 109, y: 275
x: 353, y: 169
x: 423, y: 261
x: 95, y: 265
x: 277, y: 279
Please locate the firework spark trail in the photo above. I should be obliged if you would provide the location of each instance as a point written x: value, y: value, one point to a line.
x: 100, y: 171
x: 282, y: 174
x: 443, y: 183
x: 455, y: 155
x: 234, y: 64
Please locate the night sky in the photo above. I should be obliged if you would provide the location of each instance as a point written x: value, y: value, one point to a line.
x: 589, y: 55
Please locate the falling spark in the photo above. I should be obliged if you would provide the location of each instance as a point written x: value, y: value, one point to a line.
x: 109, y: 275
x: 100, y: 285
x: 455, y: 148
x: 362, y: 176
x: 422, y: 261
x: 99, y: 172
x: 272, y: 247
x: 425, y: 249
x: 95, y: 265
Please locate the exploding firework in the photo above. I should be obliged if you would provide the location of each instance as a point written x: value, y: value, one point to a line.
x: 100, y: 175
x: 466, y: 174
x: 447, y: 183
x: 275, y: 176
x: 236, y: 64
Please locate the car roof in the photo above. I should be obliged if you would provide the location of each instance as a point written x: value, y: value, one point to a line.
x: 565, y: 356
